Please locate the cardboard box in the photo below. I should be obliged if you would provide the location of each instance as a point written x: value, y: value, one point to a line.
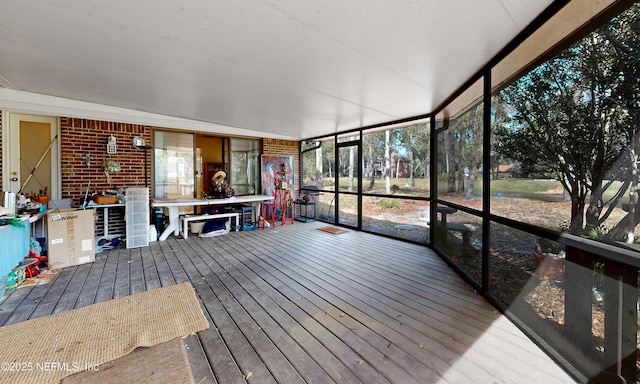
x: 71, y: 237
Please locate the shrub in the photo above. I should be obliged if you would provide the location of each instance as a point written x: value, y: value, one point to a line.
x: 389, y: 204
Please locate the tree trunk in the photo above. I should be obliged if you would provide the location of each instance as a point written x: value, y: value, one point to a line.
x: 387, y: 162
x: 594, y: 210
x: 427, y: 171
x: 626, y: 226
x: 470, y: 183
x: 451, y: 168
x: 451, y: 180
x: 319, y: 168
x: 461, y: 176
x: 411, y: 171
x: 461, y: 165
x: 577, y: 214
x: 372, y: 166
x: 351, y: 155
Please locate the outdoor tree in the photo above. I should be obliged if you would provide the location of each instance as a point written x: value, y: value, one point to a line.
x: 577, y: 116
x: 387, y: 161
x: 373, y: 144
x: 462, y: 149
x: 415, y: 142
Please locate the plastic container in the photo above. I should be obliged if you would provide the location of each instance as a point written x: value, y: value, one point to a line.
x: 3, y: 287
x: 153, y: 233
x: 10, y: 284
x: 196, y: 226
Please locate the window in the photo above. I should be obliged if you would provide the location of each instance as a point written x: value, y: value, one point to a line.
x: 174, y: 165
x: 245, y: 169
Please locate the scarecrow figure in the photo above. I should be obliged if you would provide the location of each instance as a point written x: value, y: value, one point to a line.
x: 219, y: 186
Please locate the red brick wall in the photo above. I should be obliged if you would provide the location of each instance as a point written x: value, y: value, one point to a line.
x: 79, y: 137
x: 284, y: 148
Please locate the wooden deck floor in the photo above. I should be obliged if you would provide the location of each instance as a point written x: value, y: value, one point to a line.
x: 294, y: 304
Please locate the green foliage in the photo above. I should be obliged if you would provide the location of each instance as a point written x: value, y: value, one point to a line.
x: 389, y: 204
x: 600, y: 232
x: 576, y: 116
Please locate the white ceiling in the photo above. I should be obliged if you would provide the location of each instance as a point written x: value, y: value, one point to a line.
x: 281, y: 68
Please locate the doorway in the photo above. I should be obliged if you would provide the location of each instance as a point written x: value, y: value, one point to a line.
x: 32, y: 157
x: 348, y: 201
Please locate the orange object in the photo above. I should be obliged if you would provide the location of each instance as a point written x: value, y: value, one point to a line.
x: 105, y: 199
x: 44, y: 200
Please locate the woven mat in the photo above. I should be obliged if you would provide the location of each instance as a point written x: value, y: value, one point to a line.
x: 332, y: 230
x: 46, y: 349
x: 163, y: 363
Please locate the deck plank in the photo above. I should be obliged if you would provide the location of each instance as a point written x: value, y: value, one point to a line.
x: 136, y: 272
x: 200, y: 368
x: 293, y: 304
x: 354, y: 330
x: 323, y: 345
x: 287, y: 347
x: 162, y: 267
x: 107, y: 279
x: 122, y: 283
x: 150, y: 270
x: 89, y: 290
x: 371, y: 303
x: 230, y: 319
x: 73, y: 289
x: 47, y: 304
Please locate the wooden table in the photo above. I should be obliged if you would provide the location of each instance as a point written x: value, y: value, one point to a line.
x: 173, y: 208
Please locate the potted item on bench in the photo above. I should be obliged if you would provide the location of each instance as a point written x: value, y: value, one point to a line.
x: 196, y: 226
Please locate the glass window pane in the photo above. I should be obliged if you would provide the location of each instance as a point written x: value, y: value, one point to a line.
x: 348, y: 168
x: 396, y: 217
x: 517, y: 264
x: 245, y: 169
x: 318, y: 163
x: 459, y: 236
x: 348, y: 210
x: 174, y: 165
x: 396, y: 160
x: 459, y: 159
x: 326, y: 205
x: 347, y: 137
x: 566, y: 136
x: 564, y: 156
x: 311, y: 159
x: 563, y: 294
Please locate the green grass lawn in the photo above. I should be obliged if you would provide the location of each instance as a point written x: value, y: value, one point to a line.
x: 421, y: 185
x: 510, y: 187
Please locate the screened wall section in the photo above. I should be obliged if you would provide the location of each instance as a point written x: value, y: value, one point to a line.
x: 525, y: 184
x: 538, y: 180
x: 376, y: 180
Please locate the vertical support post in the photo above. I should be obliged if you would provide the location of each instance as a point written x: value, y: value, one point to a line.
x: 486, y: 183
x: 620, y: 322
x: 578, y: 285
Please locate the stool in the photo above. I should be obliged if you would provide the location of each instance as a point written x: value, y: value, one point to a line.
x: 267, y: 213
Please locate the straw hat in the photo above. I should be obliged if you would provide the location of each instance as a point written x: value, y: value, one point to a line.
x: 219, y: 175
